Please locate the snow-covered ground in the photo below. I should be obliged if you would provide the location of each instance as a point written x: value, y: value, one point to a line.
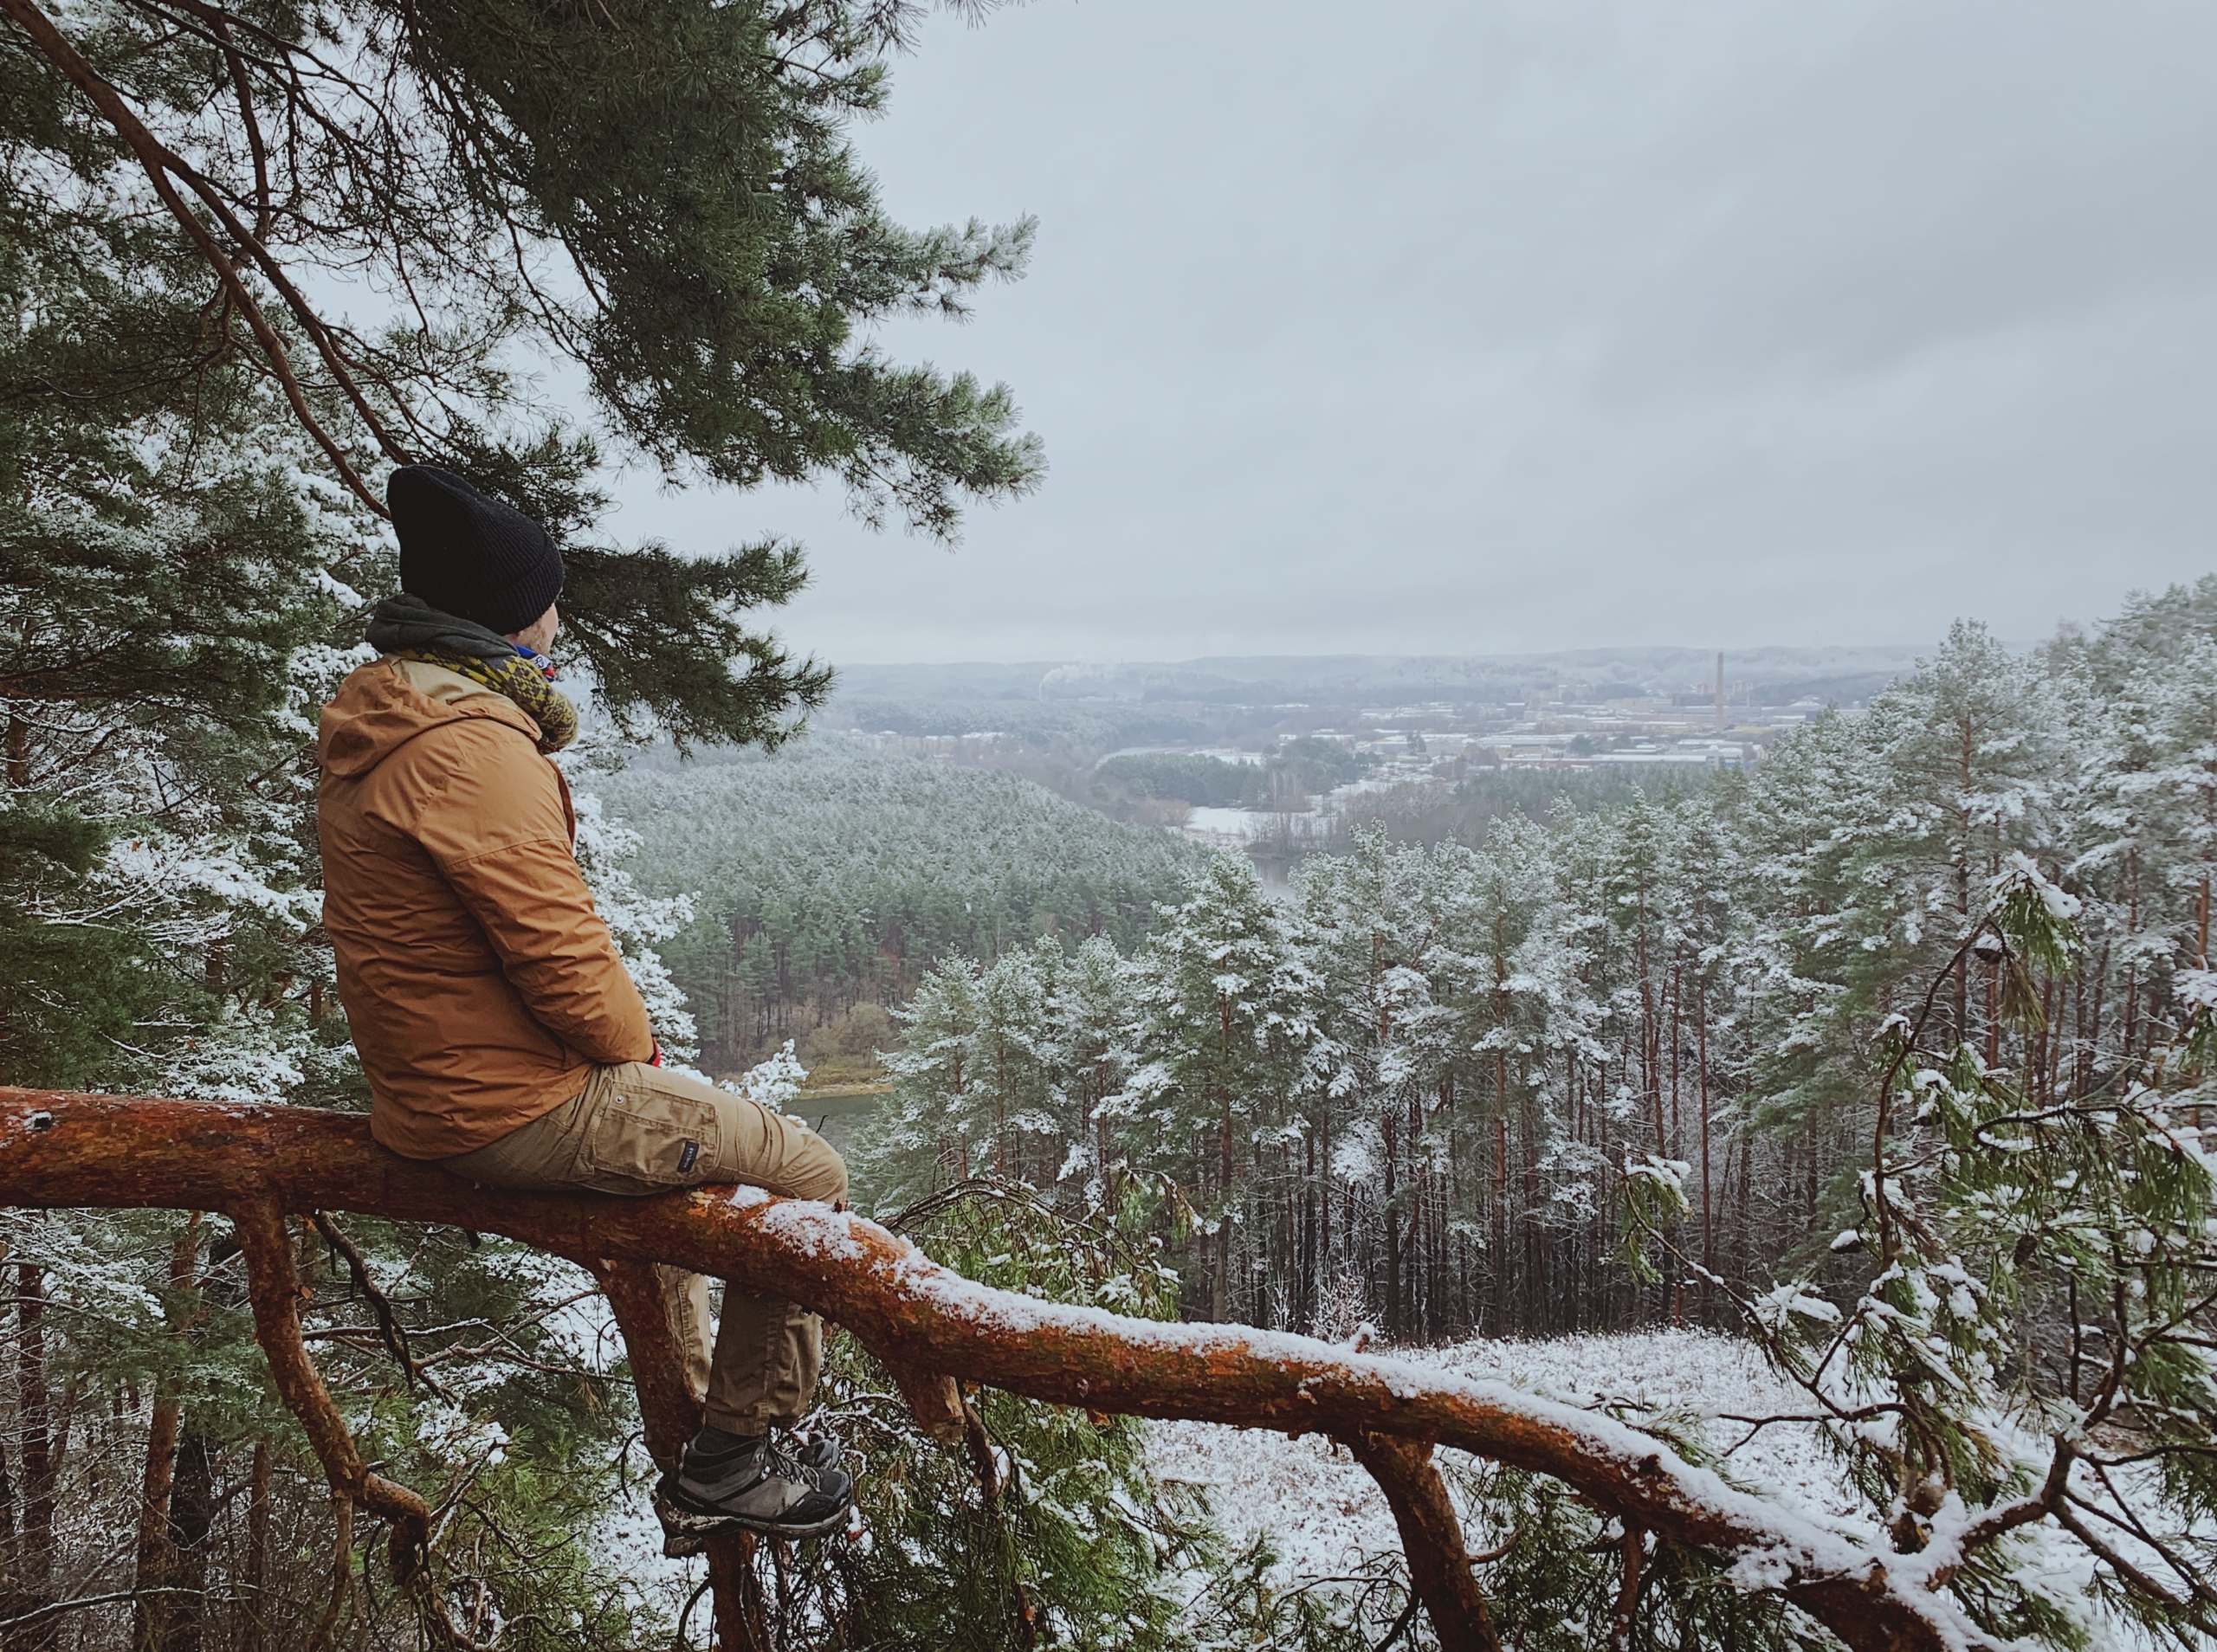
x: 1324, y: 1514
x: 1325, y: 1510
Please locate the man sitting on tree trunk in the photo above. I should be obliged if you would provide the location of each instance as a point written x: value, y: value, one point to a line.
x: 501, y: 1033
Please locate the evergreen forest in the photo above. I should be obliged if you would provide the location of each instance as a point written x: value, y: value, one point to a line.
x: 830, y: 875
x: 1417, y: 1094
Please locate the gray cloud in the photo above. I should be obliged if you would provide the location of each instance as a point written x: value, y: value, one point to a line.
x: 1476, y: 325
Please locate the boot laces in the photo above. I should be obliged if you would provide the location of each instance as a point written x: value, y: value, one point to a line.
x: 781, y: 1462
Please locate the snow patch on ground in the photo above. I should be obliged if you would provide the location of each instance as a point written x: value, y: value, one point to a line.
x: 1324, y: 1511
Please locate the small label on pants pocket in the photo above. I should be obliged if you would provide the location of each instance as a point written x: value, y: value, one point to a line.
x: 686, y: 1155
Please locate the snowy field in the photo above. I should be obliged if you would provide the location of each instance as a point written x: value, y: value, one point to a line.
x: 1227, y: 827
x: 1325, y: 1510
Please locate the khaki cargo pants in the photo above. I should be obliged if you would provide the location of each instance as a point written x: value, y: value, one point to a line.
x: 638, y: 1130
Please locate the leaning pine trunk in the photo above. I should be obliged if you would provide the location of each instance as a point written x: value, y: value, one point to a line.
x: 157, y: 1554
x: 926, y: 1324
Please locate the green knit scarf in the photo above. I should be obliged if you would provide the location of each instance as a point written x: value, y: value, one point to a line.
x: 405, y: 627
x: 522, y: 681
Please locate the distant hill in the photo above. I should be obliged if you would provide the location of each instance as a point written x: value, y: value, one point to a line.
x: 1780, y: 676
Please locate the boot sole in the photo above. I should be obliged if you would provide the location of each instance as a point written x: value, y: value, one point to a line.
x: 686, y: 1525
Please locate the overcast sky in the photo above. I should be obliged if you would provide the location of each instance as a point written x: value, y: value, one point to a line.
x: 1466, y: 325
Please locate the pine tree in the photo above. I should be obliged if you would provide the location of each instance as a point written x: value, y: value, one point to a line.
x: 1215, y: 1053
x: 928, y: 1132
x: 1010, y: 1079
x: 1091, y: 1011
x: 663, y: 200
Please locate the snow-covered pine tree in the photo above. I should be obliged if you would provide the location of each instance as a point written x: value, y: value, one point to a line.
x: 1089, y: 1010
x: 1221, y: 1027
x: 1513, y: 1059
x: 1365, y: 935
x: 926, y: 1134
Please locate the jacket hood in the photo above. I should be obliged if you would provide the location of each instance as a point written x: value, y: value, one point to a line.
x: 377, y: 711
x: 408, y: 622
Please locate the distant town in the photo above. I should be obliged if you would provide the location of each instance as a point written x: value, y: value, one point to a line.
x: 1171, y: 743
x: 1718, y: 723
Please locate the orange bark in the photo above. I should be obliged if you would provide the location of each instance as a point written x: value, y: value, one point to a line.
x: 1439, y: 1566
x: 275, y: 1287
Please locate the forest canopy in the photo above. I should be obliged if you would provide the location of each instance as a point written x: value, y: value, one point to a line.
x: 831, y: 874
x: 1285, y: 777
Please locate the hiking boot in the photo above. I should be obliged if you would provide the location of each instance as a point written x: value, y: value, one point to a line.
x: 768, y: 1484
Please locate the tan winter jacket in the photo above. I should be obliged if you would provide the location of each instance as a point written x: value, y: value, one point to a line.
x: 479, y: 983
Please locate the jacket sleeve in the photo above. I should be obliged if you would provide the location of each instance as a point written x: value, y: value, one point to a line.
x: 498, y: 832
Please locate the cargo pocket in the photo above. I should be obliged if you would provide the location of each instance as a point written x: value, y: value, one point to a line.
x: 663, y: 1140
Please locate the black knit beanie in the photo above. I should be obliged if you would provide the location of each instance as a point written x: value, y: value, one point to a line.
x: 467, y: 555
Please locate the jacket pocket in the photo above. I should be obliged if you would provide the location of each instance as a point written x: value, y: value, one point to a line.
x: 664, y: 1139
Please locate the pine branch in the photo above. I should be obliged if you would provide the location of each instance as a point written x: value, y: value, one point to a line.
x: 160, y: 163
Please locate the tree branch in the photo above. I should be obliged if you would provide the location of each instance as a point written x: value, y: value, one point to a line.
x: 390, y: 1331
x: 1633, y: 1549
x: 935, y: 1401
x: 1997, y: 1522
x: 60, y: 1149
x: 159, y: 163
x: 47, y: 1614
x: 274, y: 1285
x: 1432, y: 1537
